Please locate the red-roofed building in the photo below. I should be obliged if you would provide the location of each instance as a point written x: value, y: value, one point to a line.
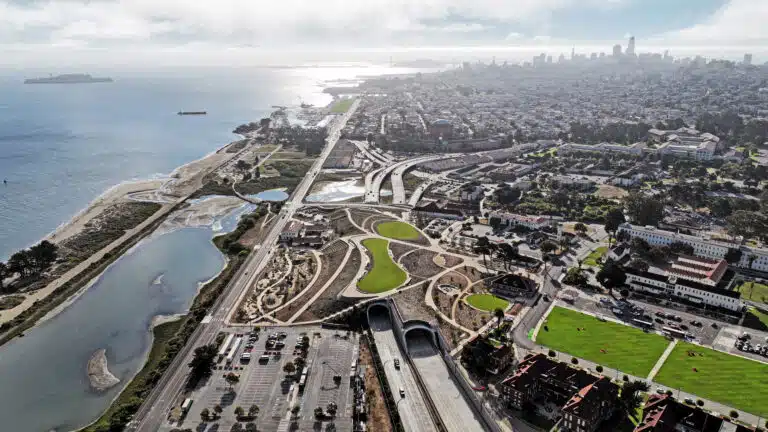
x: 664, y: 414
x: 586, y: 399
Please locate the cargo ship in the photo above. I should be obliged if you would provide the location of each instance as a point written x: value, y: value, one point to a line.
x: 68, y: 79
x: 192, y: 113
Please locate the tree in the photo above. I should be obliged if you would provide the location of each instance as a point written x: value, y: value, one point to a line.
x: 681, y: 248
x: 507, y: 252
x: 640, y: 246
x: 613, y: 219
x: 599, y: 369
x: 574, y: 360
x: 331, y: 409
x: 581, y: 228
x: 217, y: 409
x: 644, y: 210
x: 232, y: 379
x: 720, y: 207
x: 499, y: 314
x: 483, y: 247
x: 205, y: 414
x: 624, y: 293
x: 734, y: 414
x: 202, y: 362
x: 748, y: 224
x: 611, y: 275
x: 639, y: 265
x: 699, y: 402
x: 253, y: 410
x: 733, y: 256
x: 20, y: 262
x: 552, y: 354
x: 319, y: 414
x: 289, y: 368
x: 3, y: 274
x: 239, y: 411
x: 548, y: 246
x: 630, y: 396
x: 623, y: 236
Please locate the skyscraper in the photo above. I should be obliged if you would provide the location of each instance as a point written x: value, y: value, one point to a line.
x: 617, y: 50
x: 631, y: 46
x: 747, y: 59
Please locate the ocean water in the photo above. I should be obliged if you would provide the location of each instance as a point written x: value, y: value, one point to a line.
x: 63, y: 145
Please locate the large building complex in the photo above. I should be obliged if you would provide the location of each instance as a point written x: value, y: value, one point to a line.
x: 707, y: 247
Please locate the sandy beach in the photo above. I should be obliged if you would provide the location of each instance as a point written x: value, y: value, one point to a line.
x: 183, y: 181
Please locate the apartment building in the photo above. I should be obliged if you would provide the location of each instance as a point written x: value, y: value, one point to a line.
x: 513, y: 219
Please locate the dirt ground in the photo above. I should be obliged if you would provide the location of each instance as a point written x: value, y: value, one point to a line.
x: 399, y: 249
x: 451, y: 261
x: 455, y: 279
x: 378, y: 416
x: 421, y: 263
x: 470, y: 317
x: 608, y: 191
x: 328, y: 303
x: 411, y: 304
x: 472, y: 273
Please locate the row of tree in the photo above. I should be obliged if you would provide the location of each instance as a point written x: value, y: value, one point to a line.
x: 28, y: 262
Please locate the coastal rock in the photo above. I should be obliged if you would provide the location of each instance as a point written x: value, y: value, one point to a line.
x: 98, y: 373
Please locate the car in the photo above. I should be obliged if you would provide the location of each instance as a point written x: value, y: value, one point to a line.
x: 659, y: 320
x: 397, y: 364
x: 714, y: 325
x: 402, y: 392
x: 683, y: 327
x: 689, y: 401
x: 659, y: 390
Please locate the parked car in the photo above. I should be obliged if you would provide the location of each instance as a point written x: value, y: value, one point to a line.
x: 397, y: 364
x: 402, y: 392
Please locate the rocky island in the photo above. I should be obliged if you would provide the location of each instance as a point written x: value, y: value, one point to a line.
x: 98, y: 374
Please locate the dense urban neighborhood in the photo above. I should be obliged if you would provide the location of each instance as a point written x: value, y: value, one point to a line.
x: 571, y: 244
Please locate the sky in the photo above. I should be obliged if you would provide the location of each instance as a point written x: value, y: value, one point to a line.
x: 48, y: 31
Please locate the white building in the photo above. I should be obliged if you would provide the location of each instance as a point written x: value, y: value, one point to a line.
x: 291, y: 231
x: 685, y: 142
x: 512, y: 219
x: 703, y: 247
x: 633, y: 149
x: 671, y: 285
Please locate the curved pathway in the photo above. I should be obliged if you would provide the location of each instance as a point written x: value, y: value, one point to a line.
x: 319, y: 268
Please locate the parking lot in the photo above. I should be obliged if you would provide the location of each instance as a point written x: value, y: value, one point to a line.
x: 744, y: 342
x: 264, y: 384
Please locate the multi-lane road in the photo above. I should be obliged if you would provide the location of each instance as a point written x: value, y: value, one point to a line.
x: 158, y: 404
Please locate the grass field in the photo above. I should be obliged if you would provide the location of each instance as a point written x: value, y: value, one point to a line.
x: 754, y: 291
x: 397, y: 230
x: 342, y: 105
x: 487, y: 302
x: 721, y: 377
x: 385, y: 274
x: 591, y: 259
x: 625, y: 348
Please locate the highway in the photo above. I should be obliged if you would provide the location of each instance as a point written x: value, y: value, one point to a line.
x: 412, y: 409
x: 454, y: 409
x: 153, y: 413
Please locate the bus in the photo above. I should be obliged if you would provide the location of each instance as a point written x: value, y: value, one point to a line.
x: 675, y: 332
x: 186, y: 405
x: 233, y: 350
x: 642, y: 323
x: 225, y: 346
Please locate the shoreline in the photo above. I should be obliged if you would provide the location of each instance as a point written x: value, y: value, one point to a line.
x: 183, y: 180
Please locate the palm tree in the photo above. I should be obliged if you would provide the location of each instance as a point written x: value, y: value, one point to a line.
x: 482, y: 247
x: 499, y: 314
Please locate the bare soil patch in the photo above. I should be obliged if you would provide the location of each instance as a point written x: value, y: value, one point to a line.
x: 451, y: 334
x: 454, y: 278
x: 331, y: 259
x: 411, y: 305
x: 359, y: 216
x: 421, y: 263
x: 469, y: 317
x: 330, y: 302
x: 451, y: 261
x: 399, y: 249
x: 443, y: 301
x: 472, y: 273
x: 341, y: 225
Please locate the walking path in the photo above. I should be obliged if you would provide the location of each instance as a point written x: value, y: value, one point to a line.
x: 661, y: 360
x: 319, y: 268
x: 319, y: 293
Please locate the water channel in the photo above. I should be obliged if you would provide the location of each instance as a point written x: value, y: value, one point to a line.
x: 43, y: 380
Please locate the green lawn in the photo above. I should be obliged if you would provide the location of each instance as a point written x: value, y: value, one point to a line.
x: 754, y: 291
x: 397, y: 230
x: 385, y: 274
x: 721, y: 377
x: 487, y: 302
x: 591, y: 259
x: 342, y: 105
x: 624, y: 348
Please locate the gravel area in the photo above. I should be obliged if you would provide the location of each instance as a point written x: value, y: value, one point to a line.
x: 331, y: 259
x: 472, y: 273
x: 399, y: 249
x: 470, y: 317
x: 329, y: 302
x: 359, y: 216
x: 421, y: 263
x: 341, y: 224
x: 411, y: 305
x: 451, y: 261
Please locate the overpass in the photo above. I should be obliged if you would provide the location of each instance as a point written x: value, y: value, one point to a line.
x: 452, y: 403
x: 397, y: 170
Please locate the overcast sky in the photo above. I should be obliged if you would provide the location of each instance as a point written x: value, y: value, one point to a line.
x: 35, y: 30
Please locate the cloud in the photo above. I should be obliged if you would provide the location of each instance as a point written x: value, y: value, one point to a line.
x: 514, y: 36
x: 737, y: 22
x: 350, y: 22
